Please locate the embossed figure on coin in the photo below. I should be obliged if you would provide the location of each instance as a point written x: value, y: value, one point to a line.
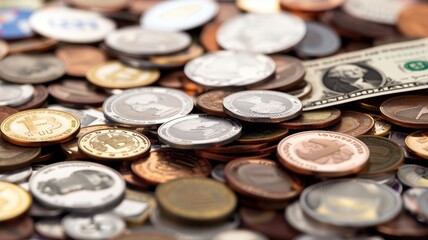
x: 114, y: 140
x: 198, y: 126
x: 259, y: 106
x: 324, y: 151
x: 150, y: 102
x: 40, y: 125
x: 418, y: 112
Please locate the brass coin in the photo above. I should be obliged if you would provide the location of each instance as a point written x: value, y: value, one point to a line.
x: 196, y: 199
x: 12, y: 156
x: 314, y: 119
x: 114, y: 144
x: 417, y: 143
x: 354, y: 123
x: 14, y: 201
x: 40, y: 127
x: 381, y: 126
x: 254, y: 134
x: 80, y: 59
x: 212, y: 102
x: 409, y: 111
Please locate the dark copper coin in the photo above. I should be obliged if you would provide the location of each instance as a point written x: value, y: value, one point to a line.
x: 208, y: 37
x: 178, y: 80
x: 76, y: 92
x: 403, y: 227
x: 4, y: 49
x: 237, y: 149
x: 32, y: 45
x: 212, y: 102
x: 39, y: 98
x: 256, y: 133
x: 258, y: 203
x: 12, y: 156
x: 314, y: 119
x: 79, y: 59
x: 17, y: 229
x: 48, y: 153
x: 407, y: 111
x: 354, y: 123
x: 6, y: 112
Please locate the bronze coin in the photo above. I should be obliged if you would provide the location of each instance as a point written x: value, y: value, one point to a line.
x: 178, y: 80
x: 311, y: 5
x: 4, y: 49
x: 79, y: 59
x: 403, y: 227
x: 13, y: 156
x: 406, y: 111
x: 212, y: 102
x: 39, y: 98
x: 32, y: 45
x: 6, y: 112
x: 354, y: 123
x: 412, y: 21
x: 130, y: 177
x: 208, y: 37
x: 417, y: 143
x: 256, y: 133
x: 263, y: 204
x: 146, y: 234
x: 17, y: 229
x: 228, y: 9
x: 76, y: 92
x: 314, y: 119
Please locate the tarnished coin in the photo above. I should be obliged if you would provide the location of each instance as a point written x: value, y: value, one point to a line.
x: 76, y: 92
x: 80, y: 59
x: 212, y: 102
x: 413, y: 175
x: 239, y: 234
x: 314, y: 119
x: 12, y: 156
x: 5, y: 112
x: 263, y: 36
x: 136, y: 41
x: 196, y: 199
x: 39, y: 98
x: 354, y: 123
x: 262, y: 106
x: 4, y: 49
x: 311, y: 5
x: 13, y: 95
x: 31, y: 69
x: 351, y: 202
x: 254, y: 134
x: 15, y: 201
x: 77, y: 186
x: 114, y: 74
x: 17, y: 175
x: 230, y: 69
x: 15, y: 23
x: 407, y: 111
x: 381, y: 126
x: 167, y: 164
x: 417, y: 143
x: 198, y: 131
x: 32, y: 45
x: 114, y: 144
x: 323, y: 153
x: 147, y: 106
x: 411, y: 20
x: 319, y: 41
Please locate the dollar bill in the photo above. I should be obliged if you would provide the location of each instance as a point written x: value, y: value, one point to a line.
x: 377, y: 71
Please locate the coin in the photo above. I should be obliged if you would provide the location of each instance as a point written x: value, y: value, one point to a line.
x: 416, y: 142
x: 254, y: 134
x: 234, y: 34
x: 136, y: 207
x: 12, y: 156
x: 39, y: 98
x: 198, y: 131
x: 6, y: 112
x: 40, y: 127
x: 167, y: 164
x: 114, y: 144
x: 50, y: 228
x: 301, y: 90
x: 212, y: 102
x: 319, y: 41
x: 235, y: 149
x: 16, y: 175
x: 413, y: 175
x: 227, y: 158
x: 77, y: 186
x: 403, y: 227
x: 351, y: 202
x: 314, y: 119
x: 76, y: 92
x: 15, y: 201
x: 100, y: 6
x: 147, y: 106
x: 218, y: 173
x: 381, y: 126
x: 239, y: 234
x: 207, y: 36
x: 196, y: 199
x: 323, y: 153
x: 114, y: 74
x: 229, y: 69
x: 80, y: 59
x: 408, y: 111
x: 262, y: 106
x: 400, y: 138
x: 147, y: 234
x: 354, y: 123
x: 180, y: 58
x: 411, y: 202
x: 16, y: 26
x: 383, y: 11
x: 31, y: 45
x: 254, y: 6
x: 4, y: 49
x: 14, y: 94
x: 311, y: 5
x: 87, y: 116
x: 16, y: 229
x: 411, y: 20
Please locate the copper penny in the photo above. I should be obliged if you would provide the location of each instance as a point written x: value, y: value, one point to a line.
x: 262, y: 178
x: 76, y: 92
x: 6, y: 112
x: 314, y: 119
x: 39, y: 98
x: 130, y: 177
x: 178, y: 80
x: 418, y: 143
x: 311, y: 5
x: 17, y: 229
x: 256, y: 133
x: 407, y: 111
x: 167, y: 164
x: 323, y: 153
x: 212, y: 102
x: 354, y: 123
x: 32, y: 45
x: 404, y: 226
x: 412, y: 21
x: 208, y: 37
x: 79, y: 59
x: 4, y: 49
x: 12, y: 156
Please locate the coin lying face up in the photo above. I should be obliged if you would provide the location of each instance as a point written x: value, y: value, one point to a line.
x: 14, y: 94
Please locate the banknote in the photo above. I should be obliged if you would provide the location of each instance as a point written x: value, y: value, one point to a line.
x: 377, y: 71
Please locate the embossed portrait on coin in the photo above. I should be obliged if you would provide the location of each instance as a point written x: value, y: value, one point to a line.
x: 324, y: 151
x: 199, y: 128
x: 152, y: 103
x: 346, y: 78
x: 262, y: 106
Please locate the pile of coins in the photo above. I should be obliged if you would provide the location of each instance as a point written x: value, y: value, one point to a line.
x: 216, y: 120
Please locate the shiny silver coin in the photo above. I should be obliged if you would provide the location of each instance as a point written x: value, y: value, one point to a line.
x: 411, y: 202
x: 230, y: 69
x: 77, y: 186
x: 87, y: 116
x: 14, y: 94
x: 31, y: 69
x: 351, y: 202
x: 93, y: 227
x: 260, y: 32
x: 147, y: 106
x: 16, y: 175
x: 262, y: 106
x: 218, y: 173
x: 50, y: 228
x: 137, y: 41
x: 197, y: 131
x: 240, y: 234
x: 413, y: 175
x: 319, y: 41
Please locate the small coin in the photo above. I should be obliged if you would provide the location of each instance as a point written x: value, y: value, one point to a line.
x: 411, y: 21
x: 207, y: 36
x: 230, y: 69
x: 411, y: 202
x: 131, y: 178
x: 314, y: 119
x: 114, y: 74
x: 17, y: 229
x: 198, y: 131
x: 50, y: 228
x: 196, y: 199
x: 262, y: 106
x: 5, y: 112
x: 417, y: 142
x: 212, y: 102
x: 37, y: 44
x: 80, y: 59
x: 311, y: 5
x: 136, y: 207
x: 319, y: 41
x: 13, y: 95
x: 76, y: 92
x: 40, y: 127
x: 15, y: 25
x: 4, y: 49
x: 381, y: 127
x: 408, y: 111
x: 39, y: 98
x: 413, y: 175
x: 323, y: 153
x: 400, y: 139
x: 114, y: 144
x: 354, y: 123
x: 12, y: 156
x: 180, y: 58
x: 17, y: 175
x: 167, y: 164
x: 15, y: 201
x: 77, y: 186
x: 146, y: 234
x: 239, y: 234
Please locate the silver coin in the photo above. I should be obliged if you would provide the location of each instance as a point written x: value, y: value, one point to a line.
x: 230, y: 69
x: 147, y: 106
x: 31, y: 69
x: 136, y: 206
x: 218, y: 173
x: 16, y: 175
x: 240, y: 234
x: 261, y: 33
x: 50, y: 228
x: 413, y: 175
x: 40, y: 211
x: 319, y: 41
x: 77, y: 186
x: 198, y: 131
x: 87, y: 116
x: 15, y: 94
x: 262, y: 106
x: 410, y: 199
x: 351, y: 202
x: 143, y: 42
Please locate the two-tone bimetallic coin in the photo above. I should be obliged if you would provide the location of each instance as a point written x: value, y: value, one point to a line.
x: 14, y: 201
x: 351, y: 202
x: 147, y: 106
x: 230, y: 69
x: 198, y: 131
x: 14, y: 95
x: 262, y: 106
x: 413, y: 175
x: 77, y: 186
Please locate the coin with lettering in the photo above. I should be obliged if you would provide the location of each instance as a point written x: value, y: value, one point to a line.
x: 409, y: 111
x: 114, y: 144
x: 164, y: 165
x: 417, y: 143
x: 80, y: 59
x: 212, y: 102
x: 39, y: 98
x: 6, y: 112
x: 15, y: 201
x: 413, y: 175
x: 381, y: 126
x: 323, y: 153
x: 314, y: 119
x: 197, y: 131
x: 12, y: 156
x: 40, y: 127
x: 262, y: 106
x: 354, y: 123
x: 36, y: 44
x: 76, y: 92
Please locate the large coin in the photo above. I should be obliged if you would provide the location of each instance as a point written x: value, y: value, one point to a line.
x: 354, y: 123
x: 14, y: 95
x: 14, y: 201
x: 409, y: 111
x: 12, y: 156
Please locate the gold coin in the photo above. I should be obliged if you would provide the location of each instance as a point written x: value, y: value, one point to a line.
x: 381, y: 126
x: 40, y: 127
x: 14, y: 201
x: 114, y: 144
x: 114, y: 74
